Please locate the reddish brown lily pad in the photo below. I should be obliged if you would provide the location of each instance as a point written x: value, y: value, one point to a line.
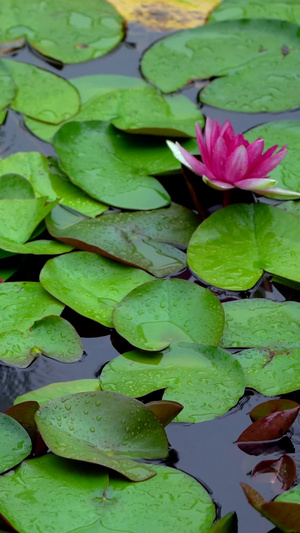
x: 165, y: 410
x: 284, y: 468
x: 271, y: 406
x: 271, y: 427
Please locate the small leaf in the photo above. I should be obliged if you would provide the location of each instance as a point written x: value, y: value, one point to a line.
x: 271, y: 427
x: 227, y: 524
x: 284, y: 468
x: 165, y: 410
x: 271, y: 406
x: 56, y: 390
x: 15, y: 443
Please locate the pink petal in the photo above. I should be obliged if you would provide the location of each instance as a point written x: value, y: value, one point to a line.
x: 219, y: 185
x: 227, y: 126
x: 189, y: 160
x: 236, y: 165
x: 208, y: 135
x: 202, y: 146
x: 239, y: 140
x: 252, y: 184
x: 255, y: 151
x: 263, y: 168
x: 220, y: 155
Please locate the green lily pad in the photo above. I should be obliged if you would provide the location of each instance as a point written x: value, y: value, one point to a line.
x: 38, y: 247
x: 71, y: 34
x: 162, y: 312
x: 47, y: 179
x: 90, y: 284
x: 271, y: 372
x: 88, y: 157
x: 88, y: 500
x: 140, y: 239
x: 56, y: 390
x: 227, y: 524
x: 7, y: 92
x: 208, y: 381
x: 252, y: 61
x: 41, y: 94
x: 257, y: 9
x: 52, y: 336
x: 261, y: 323
x: 15, y: 443
x: 104, y: 428
x: 131, y: 105
x: 282, y: 132
x: 233, y: 247
x: 15, y: 186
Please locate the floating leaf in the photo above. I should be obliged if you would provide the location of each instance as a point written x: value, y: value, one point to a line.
x: 271, y: 372
x: 56, y: 390
x: 282, y: 512
x: 15, y: 443
x: 233, y: 247
x: 48, y: 180
x: 261, y: 323
x: 227, y: 524
x: 284, y: 468
x: 246, y: 57
x: 271, y: 427
x: 41, y: 94
x: 15, y: 186
x: 162, y: 312
x: 165, y: 410
x: 139, y: 239
x: 208, y: 381
x: 39, y: 247
x: 105, y: 428
x: 23, y: 303
x: 89, y: 158
x: 52, y: 336
x: 90, y: 284
x: 70, y: 35
x: 258, y: 9
x: 24, y: 415
x: 271, y: 406
x: 84, y: 498
x: 8, y: 89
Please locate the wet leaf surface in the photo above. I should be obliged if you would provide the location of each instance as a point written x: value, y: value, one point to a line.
x: 70, y: 35
x: 90, y: 284
x: 271, y: 406
x: 89, y: 158
x: 105, y: 428
x: 15, y: 443
x: 271, y: 427
x: 85, y: 498
x: 139, y: 239
x: 284, y: 468
x: 38, y: 247
x: 245, y: 57
x: 261, y: 323
x: 258, y: 9
x: 206, y: 380
x: 56, y: 390
x: 233, y: 247
x: 162, y: 312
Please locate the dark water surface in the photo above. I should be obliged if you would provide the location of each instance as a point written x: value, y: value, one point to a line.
x: 207, y: 450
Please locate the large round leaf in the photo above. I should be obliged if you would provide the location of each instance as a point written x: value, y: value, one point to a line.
x: 261, y: 323
x: 257, y: 9
x: 282, y: 132
x: 208, y: 381
x: 55, y: 390
x: 140, y: 239
x: 41, y: 94
x: 22, y: 303
x: 89, y: 158
x: 159, y: 313
x: 253, y: 62
x: 52, y: 336
x: 105, y: 428
x: 233, y: 247
x: 70, y: 33
x: 15, y: 443
x: 86, y: 500
x: 48, y: 180
x: 91, y: 284
x: 271, y: 372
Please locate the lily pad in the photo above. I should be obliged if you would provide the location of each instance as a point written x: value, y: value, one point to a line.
x: 38, y: 247
x: 139, y: 239
x: 52, y: 336
x: 70, y: 34
x: 47, y: 179
x: 233, y: 247
x: 15, y: 443
x: 271, y: 372
x: 271, y: 427
x: 162, y: 312
x: 208, y: 381
x: 246, y: 57
x: 89, y: 158
x: 15, y: 186
x: 23, y: 303
x: 284, y: 469
x: 90, y: 284
x: 131, y: 105
x: 257, y: 9
x: 261, y: 323
x: 282, y: 132
x: 41, y: 94
x: 7, y: 92
x: 56, y: 390
x: 88, y: 500
x: 105, y: 428
x: 271, y: 406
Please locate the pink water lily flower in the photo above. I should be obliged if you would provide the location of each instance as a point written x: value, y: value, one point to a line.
x: 230, y: 161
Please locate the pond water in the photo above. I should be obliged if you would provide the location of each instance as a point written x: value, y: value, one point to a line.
x: 207, y: 450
